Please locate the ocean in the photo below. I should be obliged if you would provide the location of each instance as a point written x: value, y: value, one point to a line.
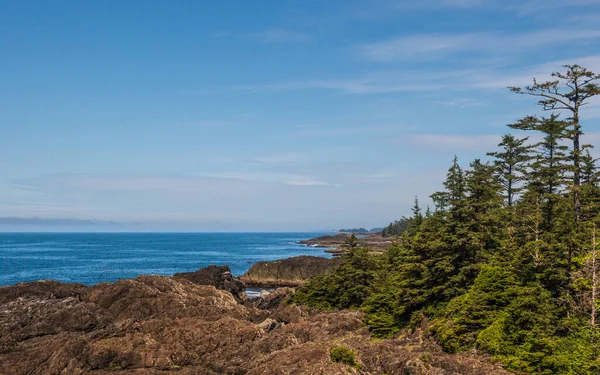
x: 90, y: 258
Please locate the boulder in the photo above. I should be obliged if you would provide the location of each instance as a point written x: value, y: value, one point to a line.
x: 270, y: 299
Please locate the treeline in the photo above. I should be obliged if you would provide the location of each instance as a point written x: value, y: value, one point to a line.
x: 398, y: 227
x: 360, y: 230
x: 508, y: 261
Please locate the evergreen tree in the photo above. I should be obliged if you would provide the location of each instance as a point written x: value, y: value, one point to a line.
x: 351, y: 242
x: 451, y: 199
x: 417, y: 217
x: 346, y: 287
x: 396, y: 228
x: 481, y: 219
x: 511, y: 164
x: 590, y: 175
x: 548, y: 168
x: 568, y: 92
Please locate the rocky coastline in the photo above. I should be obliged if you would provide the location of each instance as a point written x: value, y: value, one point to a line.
x: 334, y: 243
x: 203, y: 322
x: 199, y: 323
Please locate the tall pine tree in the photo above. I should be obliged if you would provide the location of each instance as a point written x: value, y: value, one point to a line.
x: 569, y: 91
x: 511, y: 164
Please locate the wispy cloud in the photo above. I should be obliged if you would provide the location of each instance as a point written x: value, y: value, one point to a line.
x: 267, y: 36
x: 270, y: 177
x: 524, y: 75
x: 52, y: 221
x: 541, y: 8
x: 174, y: 184
x: 232, y: 199
x: 418, y: 79
x: 370, y: 84
x: 415, y: 47
x: 519, y: 7
x: 532, y: 9
x: 476, y: 143
x: 330, y: 131
x: 279, y: 159
x: 306, y: 181
x: 452, y: 142
x: 461, y: 103
x: 461, y: 3
x: 436, y: 46
x: 279, y: 35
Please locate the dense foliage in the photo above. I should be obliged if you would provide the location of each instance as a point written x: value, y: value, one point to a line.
x: 507, y: 263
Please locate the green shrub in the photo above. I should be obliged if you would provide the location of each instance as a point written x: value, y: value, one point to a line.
x: 340, y: 354
x: 347, y: 287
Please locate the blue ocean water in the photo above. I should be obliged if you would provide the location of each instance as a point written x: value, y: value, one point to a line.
x: 90, y: 258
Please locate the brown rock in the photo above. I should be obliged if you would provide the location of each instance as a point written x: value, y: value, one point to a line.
x: 218, y: 276
x: 269, y: 300
x: 334, y: 244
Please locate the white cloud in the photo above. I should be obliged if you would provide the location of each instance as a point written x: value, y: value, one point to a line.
x: 524, y: 76
x: 544, y: 7
x: 270, y: 177
x: 373, y: 83
x: 451, y: 142
x: 266, y: 36
x: 306, y: 181
x: 279, y: 35
x: 415, y: 47
x: 437, y: 46
x: 312, y: 132
x: 110, y: 182
x: 520, y: 7
x: 491, y: 76
x: 461, y: 103
x: 279, y: 159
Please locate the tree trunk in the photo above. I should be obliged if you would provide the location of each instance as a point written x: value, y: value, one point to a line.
x: 594, y: 278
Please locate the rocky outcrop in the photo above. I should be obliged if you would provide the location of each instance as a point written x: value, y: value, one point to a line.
x: 290, y: 272
x: 333, y: 244
x: 327, y: 240
x: 218, y: 276
x: 270, y: 300
x: 167, y: 325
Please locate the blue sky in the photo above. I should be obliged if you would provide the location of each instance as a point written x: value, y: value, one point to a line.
x: 263, y: 115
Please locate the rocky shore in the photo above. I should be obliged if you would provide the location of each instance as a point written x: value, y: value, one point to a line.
x: 199, y: 323
x: 333, y: 243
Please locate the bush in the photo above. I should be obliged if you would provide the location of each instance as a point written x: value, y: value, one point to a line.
x: 347, y: 287
x: 340, y: 354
